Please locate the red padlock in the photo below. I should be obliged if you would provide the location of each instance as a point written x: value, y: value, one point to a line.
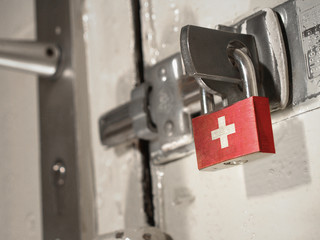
x: 236, y: 134
x: 226, y: 65
x: 233, y: 135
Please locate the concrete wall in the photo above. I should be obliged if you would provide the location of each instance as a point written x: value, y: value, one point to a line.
x: 20, y: 201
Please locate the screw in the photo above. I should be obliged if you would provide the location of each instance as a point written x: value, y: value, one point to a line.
x: 57, y: 30
x: 168, y: 127
x: 162, y: 74
x: 59, y: 172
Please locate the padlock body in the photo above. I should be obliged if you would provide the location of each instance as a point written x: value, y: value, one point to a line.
x: 233, y: 135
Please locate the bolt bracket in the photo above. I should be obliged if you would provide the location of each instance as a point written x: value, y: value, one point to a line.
x: 159, y: 111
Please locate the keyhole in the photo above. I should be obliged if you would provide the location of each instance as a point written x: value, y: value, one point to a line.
x: 59, y: 173
x: 49, y: 52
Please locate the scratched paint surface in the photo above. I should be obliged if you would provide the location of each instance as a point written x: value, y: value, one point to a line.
x: 273, y: 198
x: 310, y: 34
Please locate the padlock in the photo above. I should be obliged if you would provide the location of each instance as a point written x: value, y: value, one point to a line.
x: 239, y: 132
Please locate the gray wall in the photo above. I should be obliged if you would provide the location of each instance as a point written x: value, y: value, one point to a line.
x: 20, y: 201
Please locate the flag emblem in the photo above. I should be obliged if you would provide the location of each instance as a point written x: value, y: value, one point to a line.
x: 223, y: 131
x: 239, y: 130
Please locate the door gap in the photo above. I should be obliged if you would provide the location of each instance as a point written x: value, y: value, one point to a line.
x: 143, y: 145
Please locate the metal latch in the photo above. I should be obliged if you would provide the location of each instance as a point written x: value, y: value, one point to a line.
x: 204, y: 54
x: 162, y: 107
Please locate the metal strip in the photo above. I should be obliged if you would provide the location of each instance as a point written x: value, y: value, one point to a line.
x: 65, y: 141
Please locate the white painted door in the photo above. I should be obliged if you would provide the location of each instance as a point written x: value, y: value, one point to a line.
x: 272, y: 198
x: 109, y: 38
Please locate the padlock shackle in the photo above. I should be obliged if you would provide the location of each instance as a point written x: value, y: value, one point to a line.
x: 247, y: 72
x: 240, y: 58
x: 207, y: 101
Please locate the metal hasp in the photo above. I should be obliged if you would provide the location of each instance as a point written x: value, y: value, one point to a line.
x: 162, y: 107
x: 159, y: 111
x: 208, y: 56
x: 66, y: 171
x: 34, y: 57
x: 205, y: 56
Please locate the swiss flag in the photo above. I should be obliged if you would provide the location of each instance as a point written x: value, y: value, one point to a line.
x: 223, y: 138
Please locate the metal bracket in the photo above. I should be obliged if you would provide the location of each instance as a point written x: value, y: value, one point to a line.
x: 265, y: 27
x: 204, y: 52
x: 171, y: 117
x: 159, y: 112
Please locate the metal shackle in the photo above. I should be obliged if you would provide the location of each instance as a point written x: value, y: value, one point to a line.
x: 239, y: 57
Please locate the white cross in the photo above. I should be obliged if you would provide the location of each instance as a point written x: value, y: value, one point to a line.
x: 223, y: 131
